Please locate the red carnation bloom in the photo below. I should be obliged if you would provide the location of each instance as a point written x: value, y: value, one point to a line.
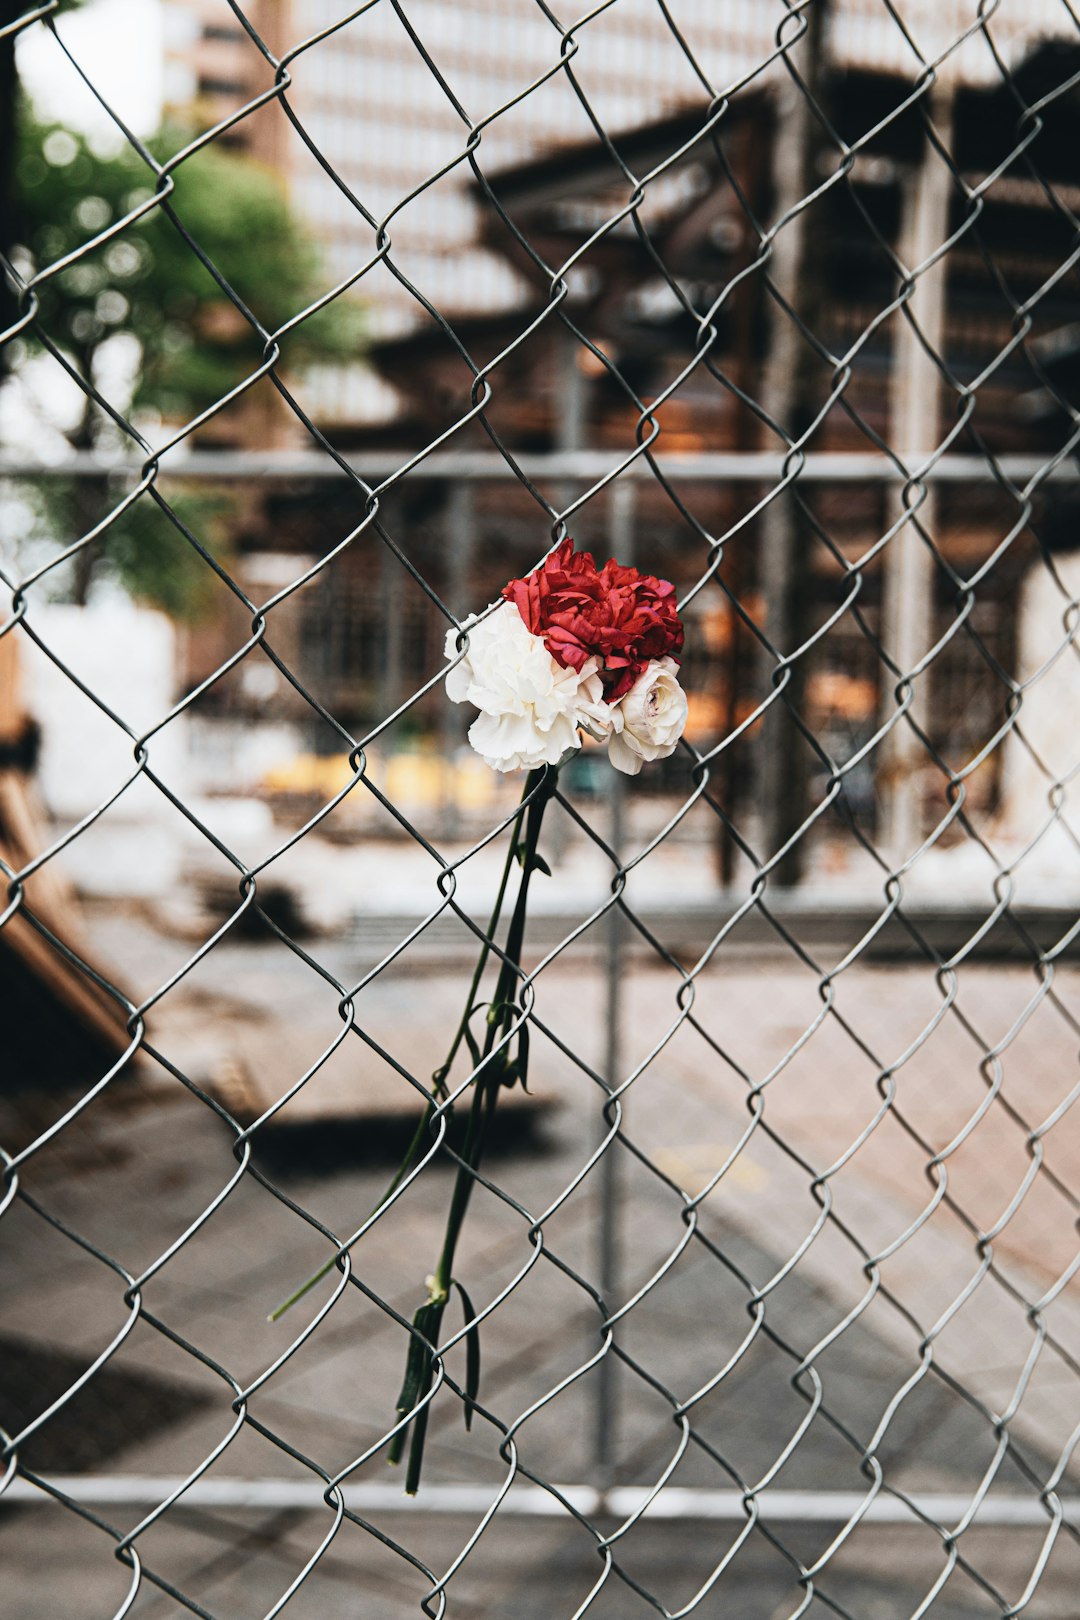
x: 614, y: 614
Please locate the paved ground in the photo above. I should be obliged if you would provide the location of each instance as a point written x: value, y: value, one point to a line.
x: 144, y: 1163
x: 241, y: 1566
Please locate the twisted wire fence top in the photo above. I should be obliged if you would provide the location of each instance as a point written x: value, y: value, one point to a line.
x: 781, y: 301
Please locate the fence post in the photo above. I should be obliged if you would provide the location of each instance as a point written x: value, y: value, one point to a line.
x: 392, y: 593
x: 907, y: 609
x: 797, y: 271
x: 621, y: 532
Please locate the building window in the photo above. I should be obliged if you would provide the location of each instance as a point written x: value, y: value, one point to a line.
x: 225, y: 31
x: 221, y: 87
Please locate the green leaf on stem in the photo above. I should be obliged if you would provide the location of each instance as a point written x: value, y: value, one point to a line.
x: 492, y: 1069
x: 417, y: 1380
x: 517, y: 1072
x: 502, y: 1012
x: 530, y: 860
x: 472, y: 1355
x: 416, y: 1452
x: 522, y: 1064
x: 474, y: 1047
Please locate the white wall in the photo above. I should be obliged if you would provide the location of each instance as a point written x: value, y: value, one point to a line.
x: 1050, y: 716
x: 124, y: 654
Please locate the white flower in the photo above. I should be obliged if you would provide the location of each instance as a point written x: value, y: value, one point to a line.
x: 595, y: 715
x: 530, y: 707
x: 653, y: 716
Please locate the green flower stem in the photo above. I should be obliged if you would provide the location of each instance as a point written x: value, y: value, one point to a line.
x: 531, y: 781
x: 420, y: 1365
x: 412, y: 1152
x: 500, y: 1019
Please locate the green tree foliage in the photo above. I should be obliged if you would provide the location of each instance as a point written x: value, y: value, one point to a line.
x: 148, y: 283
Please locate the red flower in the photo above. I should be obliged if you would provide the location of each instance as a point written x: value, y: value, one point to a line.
x: 614, y: 614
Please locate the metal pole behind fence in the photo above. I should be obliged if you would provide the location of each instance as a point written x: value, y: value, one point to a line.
x: 621, y: 530
x: 915, y: 409
x: 798, y: 271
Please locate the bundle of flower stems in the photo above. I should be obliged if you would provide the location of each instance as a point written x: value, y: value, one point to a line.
x: 569, y: 650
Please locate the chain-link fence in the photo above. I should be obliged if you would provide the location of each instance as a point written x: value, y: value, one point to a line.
x: 774, y: 1268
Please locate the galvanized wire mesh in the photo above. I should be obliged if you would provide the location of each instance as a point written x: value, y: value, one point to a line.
x: 805, y: 1262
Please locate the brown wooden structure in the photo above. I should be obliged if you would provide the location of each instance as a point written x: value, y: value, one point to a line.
x: 40, y: 990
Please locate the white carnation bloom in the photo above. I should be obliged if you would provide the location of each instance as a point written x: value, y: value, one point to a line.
x: 595, y: 715
x: 653, y: 716
x: 530, y: 707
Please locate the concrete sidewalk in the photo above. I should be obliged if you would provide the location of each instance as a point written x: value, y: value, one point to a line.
x: 145, y: 1161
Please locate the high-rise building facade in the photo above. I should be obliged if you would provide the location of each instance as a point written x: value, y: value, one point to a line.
x: 395, y: 103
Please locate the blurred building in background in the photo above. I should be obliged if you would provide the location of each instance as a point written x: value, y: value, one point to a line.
x: 372, y: 113
x: 367, y: 99
x: 364, y: 95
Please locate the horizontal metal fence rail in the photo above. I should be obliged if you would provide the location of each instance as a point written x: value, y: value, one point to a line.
x: 619, y: 1502
x: 573, y: 466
